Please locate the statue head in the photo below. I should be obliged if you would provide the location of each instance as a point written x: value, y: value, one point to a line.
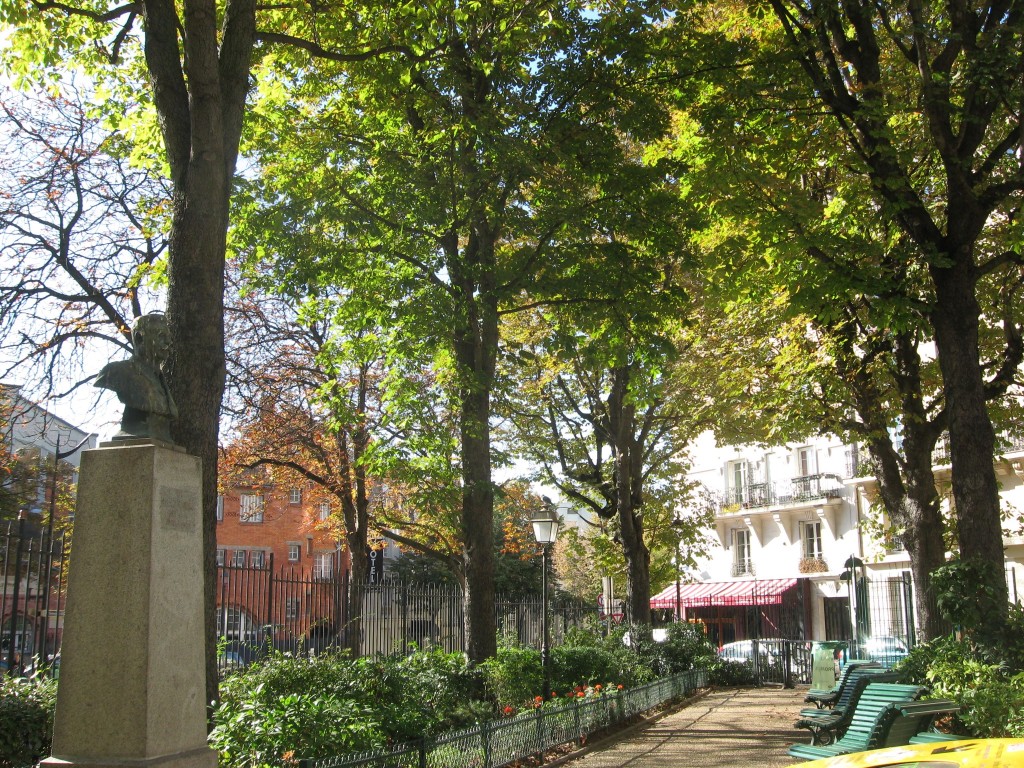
x: 151, y: 338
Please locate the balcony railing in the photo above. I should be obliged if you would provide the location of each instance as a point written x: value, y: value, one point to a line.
x: 1009, y: 444
x: 1005, y: 443
x: 743, y: 567
x: 795, y: 491
x: 893, y: 542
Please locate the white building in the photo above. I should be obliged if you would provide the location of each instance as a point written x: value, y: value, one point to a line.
x: 788, y: 520
x: 35, y: 435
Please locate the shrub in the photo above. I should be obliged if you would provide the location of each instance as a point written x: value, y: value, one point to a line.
x: 587, y: 657
x: 994, y: 708
x: 638, y: 659
x: 573, y: 665
x: 687, y: 647
x: 514, y: 675
x: 26, y: 719
x: 267, y: 731
x: 417, y: 695
x: 724, y: 672
x: 990, y: 700
x: 331, y: 704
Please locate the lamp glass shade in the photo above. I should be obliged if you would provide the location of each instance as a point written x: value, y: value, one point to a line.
x: 545, y: 526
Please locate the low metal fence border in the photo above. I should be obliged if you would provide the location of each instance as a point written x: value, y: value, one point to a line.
x: 502, y: 742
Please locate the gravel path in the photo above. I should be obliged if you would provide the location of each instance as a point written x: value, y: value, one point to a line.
x: 731, y: 727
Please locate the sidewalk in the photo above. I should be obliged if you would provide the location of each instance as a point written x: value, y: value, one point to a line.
x: 733, y: 727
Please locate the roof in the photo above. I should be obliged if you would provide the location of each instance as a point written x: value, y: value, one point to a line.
x: 708, y: 593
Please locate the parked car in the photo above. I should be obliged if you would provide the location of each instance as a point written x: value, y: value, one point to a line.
x: 743, y: 650
x: 886, y: 649
x: 230, y: 661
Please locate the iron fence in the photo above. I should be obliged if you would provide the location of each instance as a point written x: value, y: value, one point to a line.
x: 33, y: 561
x: 262, y: 608
x: 298, y: 611
x: 503, y: 742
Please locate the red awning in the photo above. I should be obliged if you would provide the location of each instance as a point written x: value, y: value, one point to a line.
x: 708, y: 593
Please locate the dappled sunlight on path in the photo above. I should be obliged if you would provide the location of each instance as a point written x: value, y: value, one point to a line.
x: 731, y: 727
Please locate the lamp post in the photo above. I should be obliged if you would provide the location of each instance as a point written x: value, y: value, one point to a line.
x: 677, y: 524
x: 545, y: 530
x: 849, y: 575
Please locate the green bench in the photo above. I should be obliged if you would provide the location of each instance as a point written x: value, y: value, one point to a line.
x: 915, y: 725
x: 870, y: 723
x: 826, y: 699
x: 828, y: 725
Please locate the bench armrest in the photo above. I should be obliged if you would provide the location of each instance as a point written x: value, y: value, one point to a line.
x: 933, y: 707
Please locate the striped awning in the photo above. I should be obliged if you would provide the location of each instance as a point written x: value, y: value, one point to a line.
x: 710, y: 593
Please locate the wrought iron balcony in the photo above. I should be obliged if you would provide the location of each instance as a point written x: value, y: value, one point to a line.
x: 789, y: 492
x: 744, y: 567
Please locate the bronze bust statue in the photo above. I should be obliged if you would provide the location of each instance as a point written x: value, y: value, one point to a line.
x: 139, y: 382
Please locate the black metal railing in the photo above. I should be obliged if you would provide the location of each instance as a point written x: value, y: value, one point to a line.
x: 508, y: 741
x: 294, y: 610
x: 799, y: 490
x: 262, y: 608
x: 33, y: 561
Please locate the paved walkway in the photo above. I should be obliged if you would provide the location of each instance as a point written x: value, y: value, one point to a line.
x: 733, y: 727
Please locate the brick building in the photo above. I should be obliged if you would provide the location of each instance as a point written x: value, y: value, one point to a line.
x: 279, y: 564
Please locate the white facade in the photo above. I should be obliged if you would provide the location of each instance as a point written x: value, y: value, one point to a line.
x: 778, y: 508
x: 800, y: 511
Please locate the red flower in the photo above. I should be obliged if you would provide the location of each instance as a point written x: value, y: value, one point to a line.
x: 509, y: 710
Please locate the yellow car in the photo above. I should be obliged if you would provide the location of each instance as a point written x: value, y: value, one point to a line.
x: 970, y: 753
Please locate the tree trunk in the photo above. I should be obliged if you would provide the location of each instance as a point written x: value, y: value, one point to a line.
x: 476, y: 348
x: 921, y: 515
x: 907, y: 486
x: 971, y: 437
x: 201, y: 109
x: 628, y: 497
x: 358, y: 574
x: 478, y: 526
x: 195, y: 306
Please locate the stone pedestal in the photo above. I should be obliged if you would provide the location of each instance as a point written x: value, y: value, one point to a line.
x: 132, y: 680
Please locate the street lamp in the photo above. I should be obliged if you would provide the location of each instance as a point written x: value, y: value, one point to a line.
x: 545, y: 530
x: 849, y: 575
x: 678, y: 524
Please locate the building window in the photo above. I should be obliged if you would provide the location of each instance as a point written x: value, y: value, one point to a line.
x: 238, y: 558
x: 742, y: 565
x: 294, y: 552
x: 325, y: 510
x: 323, y: 566
x: 805, y: 461
x: 220, y: 557
x: 739, y: 479
x: 852, y: 461
x: 291, y: 608
x: 295, y: 496
x: 220, y: 508
x: 810, y: 533
x: 257, y: 558
x: 251, y: 509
